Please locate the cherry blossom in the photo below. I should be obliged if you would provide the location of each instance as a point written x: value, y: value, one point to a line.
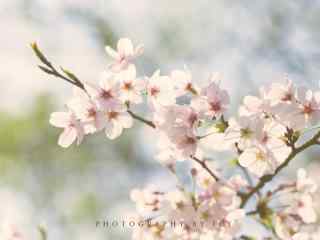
x: 213, y: 101
x: 309, y: 106
x: 106, y: 95
x: 124, y: 55
x: 258, y: 160
x: 245, y: 131
x: 87, y: 112
x: 183, y: 82
x: 72, y: 128
x: 130, y: 87
x: 160, y: 89
x: 192, y: 124
x: 116, y: 120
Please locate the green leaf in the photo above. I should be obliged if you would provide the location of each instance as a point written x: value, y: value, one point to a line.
x: 70, y: 74
x: 39, y: 54
x: 46, y: 70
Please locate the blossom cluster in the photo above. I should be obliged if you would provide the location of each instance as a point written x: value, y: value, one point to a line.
x: 263, y: 137
x: 296, y: 208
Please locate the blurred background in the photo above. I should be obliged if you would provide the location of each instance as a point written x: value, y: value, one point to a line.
x: 251, y: 43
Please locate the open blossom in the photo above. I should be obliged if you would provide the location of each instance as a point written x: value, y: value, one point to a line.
x: 178, y: 124
x: 299, y: 208
x: 106, y: 95
x: 183, y: 82
x: 255, y: 106
x: 258, y: 160
x: 213, y: 100
x: 160, y: 89
x: 245, y: 131
x: 86, y: 111
x: 72, y: 128
x: 124, y: 54
x: 309, y: 106
x: 281, y: 92
x: 304, y: 183
x: 185, y: 141
x: 286, y: 225
x: 130, y: 87
x: 116, y: 120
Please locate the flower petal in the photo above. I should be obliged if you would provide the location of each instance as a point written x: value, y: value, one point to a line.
x: 60, y: 119
x: 125, y: 47
x: 67, y: 137
x: 113, y: 130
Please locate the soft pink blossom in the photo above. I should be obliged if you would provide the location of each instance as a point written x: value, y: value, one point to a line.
x: 124, y: 54
x: 106, y: 95
x: 130, y: 86
x: 72, y: 128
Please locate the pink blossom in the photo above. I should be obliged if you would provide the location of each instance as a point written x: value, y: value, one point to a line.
x: 183, y: 82
x: 73, y: 129
x: 258, y: 160
x: 124, y: 55
x: 130, y: 87
x: 116, y: 120
x: 160, y: 90
x: 86, y: 111
x: 106, y: 95
x: 213, y: 101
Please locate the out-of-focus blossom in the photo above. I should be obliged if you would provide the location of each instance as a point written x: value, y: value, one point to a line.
x: 182, y: 81
x: 124, y: 54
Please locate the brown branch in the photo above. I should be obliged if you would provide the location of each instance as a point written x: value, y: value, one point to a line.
x: 205, y: 166
x: 141, y: 119
x: 267, y: 178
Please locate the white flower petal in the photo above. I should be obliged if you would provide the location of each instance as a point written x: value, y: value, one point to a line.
x: 113, y: 129
x: 111, y: 52
x: 125, y: 120
x: 60, y: 119
x: 125, y: 47
x: 67, y: 137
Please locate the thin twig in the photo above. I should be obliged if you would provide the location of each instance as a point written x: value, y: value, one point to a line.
x: 141, y: 119
x: 205, y: 166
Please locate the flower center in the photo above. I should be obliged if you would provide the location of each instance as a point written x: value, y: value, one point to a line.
x: 307, y: 109
x: 190, y: 140
x: 192, y: 118
x: 215, y: 106
x: 245, y: 133
x: 106, y: 94
x: 127, y: 86
x: 154, y: 91
x: 112, y: 115
x: 260, y: 156
x: 287, y: 97
x: 91, y: 112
